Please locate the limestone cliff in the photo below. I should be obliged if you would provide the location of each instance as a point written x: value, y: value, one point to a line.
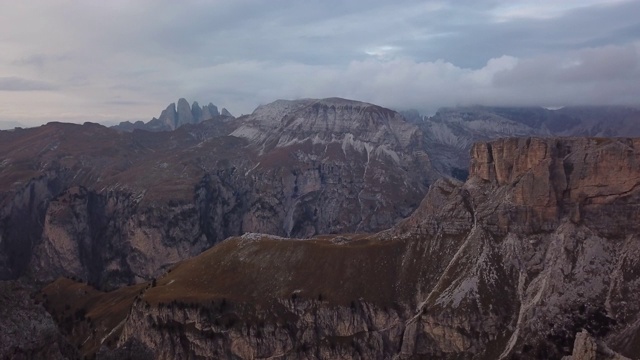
x: 344, y: 164
x: 116, y: 208
x: 174, y: 117
x: 535, y: 256
x: 551, y: 243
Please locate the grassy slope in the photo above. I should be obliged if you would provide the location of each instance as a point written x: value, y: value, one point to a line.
x: 258, y: 270
x: 241, y: 271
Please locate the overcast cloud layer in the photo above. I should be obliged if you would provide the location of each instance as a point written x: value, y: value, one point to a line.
x: 109, y: 61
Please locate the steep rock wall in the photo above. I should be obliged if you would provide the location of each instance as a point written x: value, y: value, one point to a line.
x: 117, y: 208
x: 501, y: 266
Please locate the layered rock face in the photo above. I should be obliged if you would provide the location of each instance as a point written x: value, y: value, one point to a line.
x: 343, y: 164
x: 556, y: 178
x: 553, y: 239
x: 535, y: 256
x: 115, y: 208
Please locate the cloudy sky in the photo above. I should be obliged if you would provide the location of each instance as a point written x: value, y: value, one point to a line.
x: 108, y: 61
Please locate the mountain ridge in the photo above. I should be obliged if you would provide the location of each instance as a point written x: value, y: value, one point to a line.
x: 450, y: 133
x: 114, y: 208
x: 463, y: 276
x: 527, y: 259
x: 174, y: 117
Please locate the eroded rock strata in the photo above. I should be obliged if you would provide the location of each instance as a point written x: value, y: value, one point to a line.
x: 115, y: 208
x: 535, y: 256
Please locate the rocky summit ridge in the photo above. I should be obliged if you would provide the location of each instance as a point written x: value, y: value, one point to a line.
x: 535, y: 256
x: 174, y: 117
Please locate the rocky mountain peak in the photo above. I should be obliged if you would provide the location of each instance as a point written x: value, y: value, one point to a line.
x: 278, y: 109
x: 275, y: 111
x: 196, y: 110
x: 168, y: 116
x: 174, y: 117
x: 185, y: 116
x: 211, y: 111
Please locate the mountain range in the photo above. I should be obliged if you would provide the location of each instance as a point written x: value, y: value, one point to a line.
x: 450, y: 133
x: 352, y: 232
x: 113, y: 207
x: 535, y: 256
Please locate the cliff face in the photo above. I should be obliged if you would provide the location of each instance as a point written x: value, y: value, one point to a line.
x: 174, y: 117
x: 110, y: 239
x: 344, y: 332
x: 552, y: 178
x: 553, y: 239
x: 540, y: 244
x: 116, y: 208
x: 110, y: 208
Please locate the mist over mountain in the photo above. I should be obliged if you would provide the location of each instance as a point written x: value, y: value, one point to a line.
x: 450, y: 133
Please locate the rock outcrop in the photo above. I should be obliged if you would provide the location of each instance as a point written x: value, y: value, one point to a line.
x: 184, y: 114
x: 535, y: 256
x: 174, y: 117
